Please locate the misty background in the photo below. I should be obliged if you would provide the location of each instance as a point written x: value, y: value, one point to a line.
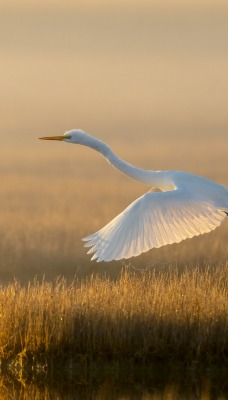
x: 149, y: 78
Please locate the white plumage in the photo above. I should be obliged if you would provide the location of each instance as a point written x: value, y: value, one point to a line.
x: 187, y: 205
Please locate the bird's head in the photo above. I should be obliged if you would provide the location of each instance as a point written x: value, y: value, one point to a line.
x: 72, y: 136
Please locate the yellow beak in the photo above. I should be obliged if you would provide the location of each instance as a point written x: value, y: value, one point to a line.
x: 54, y: 137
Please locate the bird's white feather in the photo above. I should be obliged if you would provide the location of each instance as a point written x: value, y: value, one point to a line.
x: 154, y: 220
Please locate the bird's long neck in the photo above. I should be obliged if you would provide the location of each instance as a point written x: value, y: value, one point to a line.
x: 152, y: 178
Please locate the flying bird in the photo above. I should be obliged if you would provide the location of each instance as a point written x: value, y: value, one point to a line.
x: 186, y: 205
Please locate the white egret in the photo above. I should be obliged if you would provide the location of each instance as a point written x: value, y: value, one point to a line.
x: 186, y: 205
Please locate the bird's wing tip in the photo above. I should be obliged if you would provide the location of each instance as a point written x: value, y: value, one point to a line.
x: 85, y: 239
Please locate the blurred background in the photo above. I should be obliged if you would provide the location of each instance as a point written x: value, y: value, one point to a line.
x: 149, y: 78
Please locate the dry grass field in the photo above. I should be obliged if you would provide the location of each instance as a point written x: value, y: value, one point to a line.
x: 144, y: 316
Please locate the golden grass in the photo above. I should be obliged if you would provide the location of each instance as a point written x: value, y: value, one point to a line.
x: 141, y: 316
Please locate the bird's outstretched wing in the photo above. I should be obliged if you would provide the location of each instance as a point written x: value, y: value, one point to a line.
x: 154, y: 220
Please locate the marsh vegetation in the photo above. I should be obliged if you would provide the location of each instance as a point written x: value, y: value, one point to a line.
x: 166, y: 315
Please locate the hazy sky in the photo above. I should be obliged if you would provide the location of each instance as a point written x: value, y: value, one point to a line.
x: 120, y: 4
x: 101, y: 64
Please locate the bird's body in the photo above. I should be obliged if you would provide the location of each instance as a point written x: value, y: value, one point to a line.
x: 179, y: 206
